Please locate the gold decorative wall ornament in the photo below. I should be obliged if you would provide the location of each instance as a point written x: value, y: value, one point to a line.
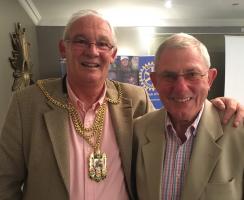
x: 20, y: 60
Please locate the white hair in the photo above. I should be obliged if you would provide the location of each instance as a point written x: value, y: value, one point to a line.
x: 83, y: 13
x: 182, y: 40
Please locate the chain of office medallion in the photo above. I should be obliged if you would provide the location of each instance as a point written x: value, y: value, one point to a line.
x: 96, y: 128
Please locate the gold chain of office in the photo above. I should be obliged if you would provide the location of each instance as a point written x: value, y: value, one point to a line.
x: 92, y: 135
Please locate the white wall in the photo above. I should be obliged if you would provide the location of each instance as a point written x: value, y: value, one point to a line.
x: 234, y: 67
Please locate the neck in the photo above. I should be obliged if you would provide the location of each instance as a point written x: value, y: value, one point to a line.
x: 88, y: 94
x: 181, y: 130
x: 181, y: 127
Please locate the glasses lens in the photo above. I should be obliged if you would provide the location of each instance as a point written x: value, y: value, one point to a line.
x: 104, y: 46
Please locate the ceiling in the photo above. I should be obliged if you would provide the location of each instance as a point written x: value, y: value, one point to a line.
x: 141, y: 12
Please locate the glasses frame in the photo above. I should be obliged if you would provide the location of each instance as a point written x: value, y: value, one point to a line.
x: 77, y: 42
x: 192, y: 76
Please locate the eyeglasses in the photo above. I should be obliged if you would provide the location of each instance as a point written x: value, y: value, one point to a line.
x: 81, y: 43
x: 171, y: 77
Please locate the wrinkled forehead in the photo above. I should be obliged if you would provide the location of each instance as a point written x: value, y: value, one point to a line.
x: 90, y: 26
x: 181, y: 59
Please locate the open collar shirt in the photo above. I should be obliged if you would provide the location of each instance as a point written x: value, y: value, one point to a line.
x: 81, y: 186
x: 176, y: 159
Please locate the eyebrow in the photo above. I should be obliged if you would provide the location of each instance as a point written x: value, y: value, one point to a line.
x: 184, y: 71
x: 99, y: 38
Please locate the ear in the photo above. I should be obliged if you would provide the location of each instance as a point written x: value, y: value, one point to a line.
x: 154, y: 79
x: 62, y: 48
x: 212, y: 74
x: 113, y: 56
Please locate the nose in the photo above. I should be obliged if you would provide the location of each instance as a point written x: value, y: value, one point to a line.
x: 180, y: 84
x: 92, y: 50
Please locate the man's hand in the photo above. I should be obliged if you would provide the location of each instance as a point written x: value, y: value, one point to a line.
x: 230, y: 107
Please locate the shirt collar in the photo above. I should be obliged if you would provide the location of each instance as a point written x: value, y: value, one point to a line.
x: 80, y: 104
x: 192, y: 128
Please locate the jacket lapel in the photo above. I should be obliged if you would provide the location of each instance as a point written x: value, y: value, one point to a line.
x: 57, y: 122
x: 205, y: 154
x: 153, y: 155
x: 121, y: 116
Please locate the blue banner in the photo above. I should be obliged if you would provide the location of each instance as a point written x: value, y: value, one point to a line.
x: 146, y: 66
x: 136, y: 70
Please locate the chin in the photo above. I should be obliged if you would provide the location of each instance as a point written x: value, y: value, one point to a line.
x: 181, y: 115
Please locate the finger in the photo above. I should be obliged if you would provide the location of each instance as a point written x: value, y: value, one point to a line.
x: 227, y: 115
x: 231, y: 107
x: 239, y: 118
x: 219, y: 102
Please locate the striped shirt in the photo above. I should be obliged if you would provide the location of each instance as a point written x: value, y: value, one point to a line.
x: 176, y: 159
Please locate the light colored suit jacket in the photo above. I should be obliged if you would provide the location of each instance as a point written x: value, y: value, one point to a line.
x: 34, y: 141
x: 216, y: 168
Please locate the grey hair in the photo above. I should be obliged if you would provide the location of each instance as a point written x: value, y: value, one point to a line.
x: 84, y: 13
x: 182, y: 40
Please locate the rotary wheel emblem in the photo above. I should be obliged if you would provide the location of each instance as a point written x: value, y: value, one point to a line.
x: 144, y: 76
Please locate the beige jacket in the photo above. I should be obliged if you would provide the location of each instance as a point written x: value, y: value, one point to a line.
x: 216, y: 167
x: 34, y: 141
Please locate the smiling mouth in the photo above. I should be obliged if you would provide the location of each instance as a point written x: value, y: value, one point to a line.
x: 90, y: 65
x: 182, y: 100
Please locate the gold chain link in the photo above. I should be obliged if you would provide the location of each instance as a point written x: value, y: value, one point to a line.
x: 97, y: 127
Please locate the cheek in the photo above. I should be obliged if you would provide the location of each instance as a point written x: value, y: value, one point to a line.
x: 105, y: 58
x: 162, y: 87
x: 71, y: 64
x: 71, y: 56
x: 163, y: 91
x: 204, y: 87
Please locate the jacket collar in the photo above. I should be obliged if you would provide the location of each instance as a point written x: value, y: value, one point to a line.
x: 56, y: 119
x: 205, y: 148
x: 121, y: 116
x: 153, y: 153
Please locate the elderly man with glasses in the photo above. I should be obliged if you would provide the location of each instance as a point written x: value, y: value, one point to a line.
x: 183, y: 151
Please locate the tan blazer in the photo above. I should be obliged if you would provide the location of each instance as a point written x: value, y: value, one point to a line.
x: 34, y: 141
x: 216, y: 164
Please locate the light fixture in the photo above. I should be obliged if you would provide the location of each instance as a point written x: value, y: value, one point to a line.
x: 168, y: 4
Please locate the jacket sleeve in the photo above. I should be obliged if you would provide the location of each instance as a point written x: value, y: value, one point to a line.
x: 12, y: 167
